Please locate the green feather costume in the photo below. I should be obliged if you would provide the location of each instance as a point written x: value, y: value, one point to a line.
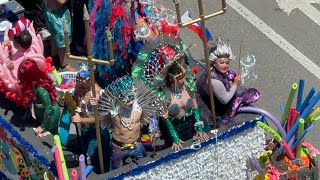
x: 155, y: 60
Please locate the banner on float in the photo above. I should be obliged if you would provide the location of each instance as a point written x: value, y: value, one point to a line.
x: 18, y: 158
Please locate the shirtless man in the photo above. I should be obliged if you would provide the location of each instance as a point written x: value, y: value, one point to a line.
x: 126, y: 133
x: 126, y: 120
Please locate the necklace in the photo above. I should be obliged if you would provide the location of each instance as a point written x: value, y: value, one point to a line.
x: 127, y: 118
x: 176, y: 92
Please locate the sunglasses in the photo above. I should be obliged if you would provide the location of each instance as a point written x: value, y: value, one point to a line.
x: 223, y: 62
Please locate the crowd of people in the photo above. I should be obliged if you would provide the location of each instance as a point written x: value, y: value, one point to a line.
x: 150, y: 86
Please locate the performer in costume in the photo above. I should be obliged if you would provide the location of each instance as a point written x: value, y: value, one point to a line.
x: 55, y: 13
x: 127, y: 21
x: 228, y: 97
x: 150, y: 20
x: 131, y: 104
x: 26, y: 44
x: 78, y: 110
x: 38, y: 91
x: 117, y: 15
x: 165, y: 68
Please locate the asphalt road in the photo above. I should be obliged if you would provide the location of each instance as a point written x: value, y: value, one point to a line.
x: 285, y: 46
x: 277, y: 67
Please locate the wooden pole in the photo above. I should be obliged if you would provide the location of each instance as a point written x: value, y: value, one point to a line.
x: 93, y: 87
x: 202, y: 18
x: 206, y: 57
x: 109, y: 62
x: 91, y: 62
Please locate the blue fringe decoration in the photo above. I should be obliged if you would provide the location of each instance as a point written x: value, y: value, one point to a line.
x: 228, y: 134
x: 107, y: 74
x: 43, y: 160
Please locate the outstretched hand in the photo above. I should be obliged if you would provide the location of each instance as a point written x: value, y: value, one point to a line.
x: 177, y: 147
x: 203, y: 136
x: 40, y: 132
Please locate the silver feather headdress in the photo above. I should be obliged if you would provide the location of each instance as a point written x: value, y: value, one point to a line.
x: 219, y: 48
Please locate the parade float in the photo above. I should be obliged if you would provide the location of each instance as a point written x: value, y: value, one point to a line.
x: 241, y: 152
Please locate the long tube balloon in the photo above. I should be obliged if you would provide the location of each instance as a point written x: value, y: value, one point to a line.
x: 56, y: 76
x: 300, y: 132
x: 308, y: 98
x: 58, y: 163
x: 289, y: 120
x: 270, y: 130
x: 63, y: 162
x: 315, y: 119
x: 313, y: 115
x: 303, y: 116
x: 256, y: 164
x: 82, y: 166
x: 277, y: 137
x: 301, y: 137
x: 300, y: 94
x: 255, y: 110
x: 45, y: 176
x: 52, y: 151
x: 289, y: 102
x: 74, y: 174
x: 287, y: 149
x: 295, y: 117
x: 88, y: 170
x: 307, y: 110
x: 290, y: 142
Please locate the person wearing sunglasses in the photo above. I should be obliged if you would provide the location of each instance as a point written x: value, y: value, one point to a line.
x: 224, y: 82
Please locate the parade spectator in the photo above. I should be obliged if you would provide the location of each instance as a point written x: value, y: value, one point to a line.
x: 21, y: 44
x: 56, y: 12
x: 34, y: 12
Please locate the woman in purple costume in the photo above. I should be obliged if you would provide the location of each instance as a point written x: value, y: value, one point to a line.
x: 228, y: 96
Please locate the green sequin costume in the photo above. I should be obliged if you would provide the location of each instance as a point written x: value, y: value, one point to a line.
x: 152, y: 68
x: 46, y: 112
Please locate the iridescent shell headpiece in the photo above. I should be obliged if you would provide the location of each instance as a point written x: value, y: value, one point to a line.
x: 219, y: 48
x: 122, y: 89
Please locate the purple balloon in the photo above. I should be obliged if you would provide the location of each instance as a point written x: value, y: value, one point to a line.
x: 256, y: 164
x: 255, y: 110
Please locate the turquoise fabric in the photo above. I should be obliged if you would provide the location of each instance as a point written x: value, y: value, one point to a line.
x: 64, y: 128
x: 54, y: 20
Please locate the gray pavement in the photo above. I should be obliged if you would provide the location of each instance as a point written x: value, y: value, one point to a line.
x: 276, y: 69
